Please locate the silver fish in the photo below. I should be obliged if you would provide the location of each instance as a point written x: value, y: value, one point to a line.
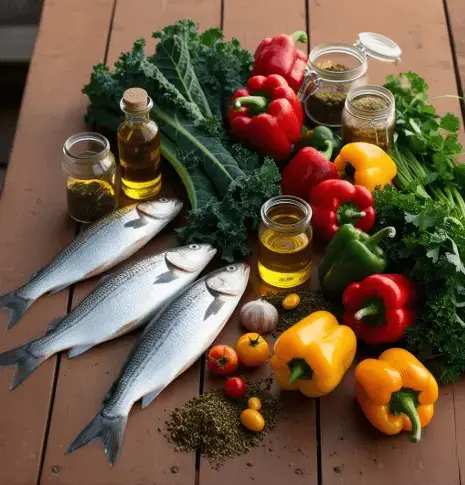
x: 101, y: 246
x: 120, y: 303
x: 173, y: 340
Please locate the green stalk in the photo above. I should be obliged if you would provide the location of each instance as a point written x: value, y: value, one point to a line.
x: 460, y: 203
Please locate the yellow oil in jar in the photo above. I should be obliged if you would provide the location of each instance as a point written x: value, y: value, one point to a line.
x: 285, y: 258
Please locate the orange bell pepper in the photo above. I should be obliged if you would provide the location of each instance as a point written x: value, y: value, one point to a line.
x: 396, y: 392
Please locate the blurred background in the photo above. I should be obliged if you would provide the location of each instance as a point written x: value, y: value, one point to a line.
x: 19, y: 21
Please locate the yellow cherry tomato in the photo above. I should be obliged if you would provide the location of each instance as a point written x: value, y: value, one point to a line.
x: 254, y: 403
x: 252, y: 420
x: 252, y: 349
x: 291, y: 301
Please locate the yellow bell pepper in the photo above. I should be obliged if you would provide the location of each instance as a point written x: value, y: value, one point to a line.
x: 396, y: 392
x: 313, y: 355
x: 373, y: 166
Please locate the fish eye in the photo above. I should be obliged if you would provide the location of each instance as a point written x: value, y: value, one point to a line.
x: 194, y: 246
x: 231, y: 268
x: 163, y: 199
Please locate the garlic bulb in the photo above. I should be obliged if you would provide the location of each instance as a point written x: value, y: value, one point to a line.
x: 259, y: 316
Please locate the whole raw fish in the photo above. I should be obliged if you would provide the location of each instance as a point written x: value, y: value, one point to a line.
x: 120, y: 303
x: 173, y: 340
x: 101, y: 246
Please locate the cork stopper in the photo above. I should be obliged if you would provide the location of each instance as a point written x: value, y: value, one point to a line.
x: 135, y: 99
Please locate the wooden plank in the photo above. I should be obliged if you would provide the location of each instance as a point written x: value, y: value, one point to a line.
x: 352, y: 452
x: 146, y: 457
x: 288, y: 454
x: 33, y: 221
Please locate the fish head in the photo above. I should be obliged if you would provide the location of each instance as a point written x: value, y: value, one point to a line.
x: 230, y: 281
x: 162, y: 208
x: 191, y: 258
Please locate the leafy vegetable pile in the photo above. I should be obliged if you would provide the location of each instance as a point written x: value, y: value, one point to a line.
x: 190, y: 79
x: 426, y: 144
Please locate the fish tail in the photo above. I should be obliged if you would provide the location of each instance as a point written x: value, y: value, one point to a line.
x: 110, y: 429
x: 24, y: 360
x: 16, y: 305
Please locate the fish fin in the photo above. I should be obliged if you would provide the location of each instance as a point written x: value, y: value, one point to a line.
x: 78, y: 350
x: 110, y: 391
x: 148, y: 398
x: 136, y: 223
x: 165, y: 277
x: 24, y: 360
x: 102, y: 280
x: 54, y: 324
x: 57, y: 289
x: 214, y: 307
x: 16, y: 305
x: 33, y: 275
x: 110, y: 429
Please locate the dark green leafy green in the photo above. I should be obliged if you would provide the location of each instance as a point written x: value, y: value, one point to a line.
x: 191, y: 76
x: 430, y: 249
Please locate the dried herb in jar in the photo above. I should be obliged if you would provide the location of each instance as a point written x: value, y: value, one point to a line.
x: 88, y: 201
x: 210, y: 422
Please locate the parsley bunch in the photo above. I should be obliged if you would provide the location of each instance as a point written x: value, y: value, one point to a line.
x: 426, y: 145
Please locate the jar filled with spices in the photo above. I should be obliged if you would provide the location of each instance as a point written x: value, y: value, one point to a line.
x: 334, y: 69
x: 91, y: 177
x: 285, y: 237
x: 369, y: 116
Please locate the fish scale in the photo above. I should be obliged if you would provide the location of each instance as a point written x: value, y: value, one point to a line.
x: 101, y: 246
x: 119, y: 304
x: 173, y: 340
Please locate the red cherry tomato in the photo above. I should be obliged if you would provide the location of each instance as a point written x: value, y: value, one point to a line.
x: 235, y: 387
x: 222, y: 360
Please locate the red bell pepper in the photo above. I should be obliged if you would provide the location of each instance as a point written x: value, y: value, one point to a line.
x: 380, y: 308
x: 278, y: 55
x: 338, y: 202
x: 307, y: 168
x: 267, y: 115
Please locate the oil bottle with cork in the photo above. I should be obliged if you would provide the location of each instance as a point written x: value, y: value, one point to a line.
x: 139, y: 147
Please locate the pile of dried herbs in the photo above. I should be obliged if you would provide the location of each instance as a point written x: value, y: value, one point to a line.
x: 310, y: 301
x: 210, y: 422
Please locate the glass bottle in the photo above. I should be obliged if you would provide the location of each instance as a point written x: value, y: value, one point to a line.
x: 139, y: 147
x: 369, y: 116
x: 91, y: 177
x: 285, y: 237
x: 334, y: 69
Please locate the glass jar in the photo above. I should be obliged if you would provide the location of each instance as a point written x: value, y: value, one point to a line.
x: 91, y: 170
x: 285, y: 237
x: 139, y: 147
x: 334, y: 69
x: 369, y: 116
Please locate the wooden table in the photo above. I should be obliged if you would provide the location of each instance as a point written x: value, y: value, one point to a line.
x: 327, y: 438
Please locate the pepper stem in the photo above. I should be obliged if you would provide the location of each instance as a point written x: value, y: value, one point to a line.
x: 299, y: 36
x: 256, y: 104
x: 371, y: 309
x: 407, y: 403
x: 380, y: 235
x: 329, y: 150
x: 299, y: 370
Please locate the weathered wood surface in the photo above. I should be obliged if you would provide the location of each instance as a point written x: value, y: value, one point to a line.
x: 41, y: 418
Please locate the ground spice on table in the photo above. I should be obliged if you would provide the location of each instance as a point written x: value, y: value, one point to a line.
x: 210, y: 422
x: 310, y: 301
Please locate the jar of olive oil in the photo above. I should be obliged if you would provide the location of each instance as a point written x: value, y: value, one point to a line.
x: 285, y: 236
x: 91, y: 185
x: 139, y: 147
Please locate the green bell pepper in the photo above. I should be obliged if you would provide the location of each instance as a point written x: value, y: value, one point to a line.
x: 351, y: 256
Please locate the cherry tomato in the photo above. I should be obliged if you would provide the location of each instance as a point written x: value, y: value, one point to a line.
x: 235, y: 387
x: 222, y: 360
x: 252, y: 420
x: 254, y: 403
x: 252, y: 349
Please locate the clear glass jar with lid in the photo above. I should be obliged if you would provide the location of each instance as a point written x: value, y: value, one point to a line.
x: 369, y: 116
x: 336, y: 68
x: 91, y: 177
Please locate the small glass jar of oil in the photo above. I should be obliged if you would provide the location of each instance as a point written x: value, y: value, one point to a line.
x: 139, y: 147
x: 285, y: 236
x: 91, y: 185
